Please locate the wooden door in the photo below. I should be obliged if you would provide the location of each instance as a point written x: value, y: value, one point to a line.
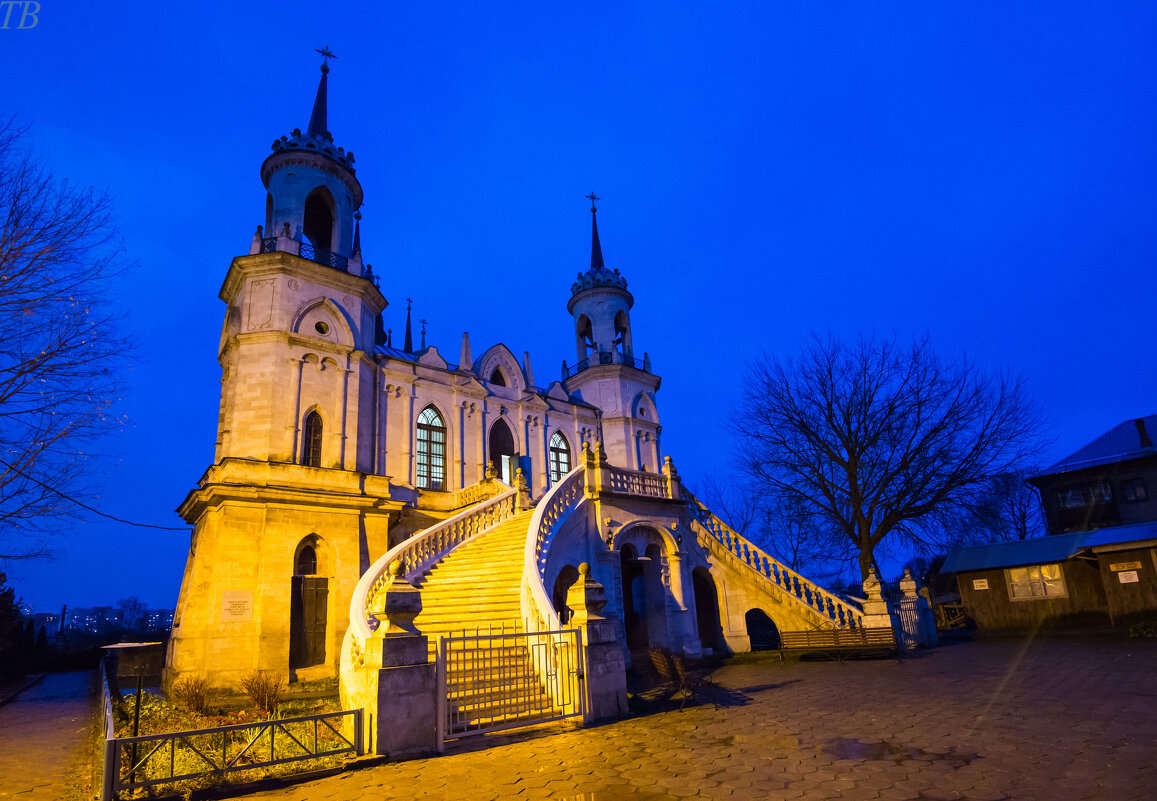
x: 307, y: 619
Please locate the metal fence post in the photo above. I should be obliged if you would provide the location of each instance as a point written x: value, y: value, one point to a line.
x: 111, y: 771
x: 440, y: 688
x: 359, y: 737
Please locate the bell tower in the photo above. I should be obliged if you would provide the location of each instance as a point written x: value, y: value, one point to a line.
x: 272, y: 566
x: 607, y: 373
x: 312, y: 192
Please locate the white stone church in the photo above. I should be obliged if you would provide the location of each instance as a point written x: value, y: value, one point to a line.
x: 342, y: 459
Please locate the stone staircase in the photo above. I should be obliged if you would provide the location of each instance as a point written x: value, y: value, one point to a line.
x: 474, y: 591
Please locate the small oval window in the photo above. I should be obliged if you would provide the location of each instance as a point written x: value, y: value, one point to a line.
x: 321, y: 328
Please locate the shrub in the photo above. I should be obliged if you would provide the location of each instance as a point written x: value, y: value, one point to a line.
x: 1145, y: 629
x: 193, y: 693
x: 264, y: 690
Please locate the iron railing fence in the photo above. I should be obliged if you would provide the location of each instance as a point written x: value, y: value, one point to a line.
x: 171, y: 757
x: 324, y: 256
x: 495, y: 681
x: 606, y: 358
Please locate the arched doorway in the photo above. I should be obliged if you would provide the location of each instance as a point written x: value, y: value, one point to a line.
x: 707, y: 610
x: 566, y: 578
x: 307, y: 608
x: 502, y: 454
x: 761, y: 631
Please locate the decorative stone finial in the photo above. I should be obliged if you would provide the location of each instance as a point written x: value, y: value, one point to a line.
x: 586, y: 598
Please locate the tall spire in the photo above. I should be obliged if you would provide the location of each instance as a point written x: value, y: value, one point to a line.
x: 318, y: 126
x: 596, y: 248
x: 408, y: 342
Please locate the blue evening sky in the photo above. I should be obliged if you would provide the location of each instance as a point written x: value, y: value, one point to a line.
x: 980, y: 172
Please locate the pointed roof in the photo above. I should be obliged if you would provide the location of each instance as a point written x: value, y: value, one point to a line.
x: 596, y: 247
x: 598, y: 275
x: 408, y: 342
x: 317, y: 138
x: 317, y: 122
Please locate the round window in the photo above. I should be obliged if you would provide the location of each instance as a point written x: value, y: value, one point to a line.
x: 321, y: 328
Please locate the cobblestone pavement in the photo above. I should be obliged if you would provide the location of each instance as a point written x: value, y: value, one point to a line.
x: 1056, y: 720
x: 42, y: 734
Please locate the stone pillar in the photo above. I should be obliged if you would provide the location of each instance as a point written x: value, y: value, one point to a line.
x: 875, y: 607
x: 606, y: 670
x: 400, y: 677
x: 674, y: 486
x: 524, y: 501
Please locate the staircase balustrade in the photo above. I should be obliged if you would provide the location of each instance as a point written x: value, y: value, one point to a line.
x: 537, y: 609
x: 837, y: 610
x: 636, y: 482
x: 417, y: 554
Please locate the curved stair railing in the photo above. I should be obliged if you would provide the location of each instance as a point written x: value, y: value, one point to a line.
x: 418, y: 554
x: 538, y: 613
x: 832, y: 608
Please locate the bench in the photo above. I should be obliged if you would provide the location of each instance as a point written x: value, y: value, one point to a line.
x: 673, y: 670
x: 840, y: 643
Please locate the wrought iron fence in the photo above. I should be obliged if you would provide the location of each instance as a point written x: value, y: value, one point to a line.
x: 607, y: 358
x: 494, y: 681
x: 324, y: 256
x: 175, y: 756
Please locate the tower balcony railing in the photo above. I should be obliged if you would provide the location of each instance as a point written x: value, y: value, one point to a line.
x: 611, y: 357
x: 324, y: 256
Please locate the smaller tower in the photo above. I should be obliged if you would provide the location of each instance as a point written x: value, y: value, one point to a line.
x: 607, y: 374
x: 312, y: 188
x: 601, y: 307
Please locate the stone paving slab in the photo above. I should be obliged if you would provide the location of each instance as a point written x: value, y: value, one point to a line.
x: 979, y: 721
x: 43, y: 733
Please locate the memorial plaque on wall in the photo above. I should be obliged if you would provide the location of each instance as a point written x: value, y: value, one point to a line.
x: 980, y: 584
x: 1128, y: 577
x: 236, y: 606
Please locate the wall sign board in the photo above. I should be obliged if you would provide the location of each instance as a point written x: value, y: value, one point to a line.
x: 236, y: 606
x: 1117, y: 567
x: 980, y: 584
x: 1128, y: 577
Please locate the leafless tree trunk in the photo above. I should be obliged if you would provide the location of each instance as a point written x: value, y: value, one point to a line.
x: 59, y: 353
x: 874, y: 437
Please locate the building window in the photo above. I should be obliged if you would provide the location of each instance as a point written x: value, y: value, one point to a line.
x: 559, y: 457
x: 1133, y: 489
x: 311, y: 453
x: 431, y: 450
x: 1036, y: 581
x: 1076, y: 497
x: 306, y: 561
x: 497, y: 378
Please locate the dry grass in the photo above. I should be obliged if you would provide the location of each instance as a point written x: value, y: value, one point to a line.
x: 193, y: 693
x: 264, y: 690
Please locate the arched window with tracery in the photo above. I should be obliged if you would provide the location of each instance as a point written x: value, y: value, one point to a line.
x: 431, y: 450
x: 559, y: 457
x: 311, y: 439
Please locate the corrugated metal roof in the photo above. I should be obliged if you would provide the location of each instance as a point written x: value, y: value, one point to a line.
x: 1042, y: 550
x: 1122, y: 442
x: 1121, y: 534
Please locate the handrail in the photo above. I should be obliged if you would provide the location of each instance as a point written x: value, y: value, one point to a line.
x: 538, y: 611
x: 424, y: 549
x: 835, y: 609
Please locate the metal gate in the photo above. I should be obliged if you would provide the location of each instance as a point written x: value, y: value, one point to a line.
x: 906, y: 615
x: 493, y: 681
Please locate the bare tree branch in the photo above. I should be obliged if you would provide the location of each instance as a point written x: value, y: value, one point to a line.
x: 874, y: 437
x: 60, y: 353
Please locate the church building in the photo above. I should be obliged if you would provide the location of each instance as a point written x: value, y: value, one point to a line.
x: 340, y: 454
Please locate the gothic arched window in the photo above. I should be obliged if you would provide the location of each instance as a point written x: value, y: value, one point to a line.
x: 559, y: 457
x: 306, y: 561
x: 431, y: 450
x: 311, y: 439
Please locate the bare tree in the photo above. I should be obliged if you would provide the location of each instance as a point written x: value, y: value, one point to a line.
x: 59, y: 353
x: 1004, y: 509
x: 874, y: 437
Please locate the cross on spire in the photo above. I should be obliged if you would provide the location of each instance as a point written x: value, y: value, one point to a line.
x: 593, y: 198
x: 325, y: 53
